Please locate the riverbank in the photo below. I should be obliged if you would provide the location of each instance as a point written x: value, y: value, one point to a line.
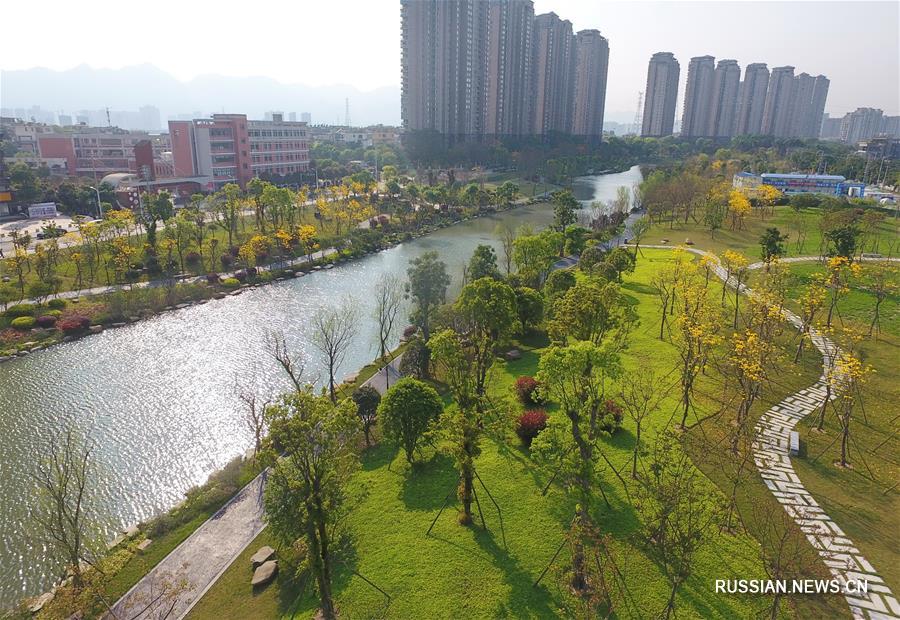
x: 97, y: 309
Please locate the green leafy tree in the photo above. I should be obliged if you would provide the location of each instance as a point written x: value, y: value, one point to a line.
x: 483, y: 264
x: 772, y: 244
x: 367, y: 400
x: 408, y: 409
x: 489, y: 308
x: 639, y: 229
x: 428, y: 282
x: 621, y: 261
x: 306, y: 491
x: 529, y: 307
x: 575, y: 378
x: 564, y: 206
x: 534, y: 255
x: 591, y: 310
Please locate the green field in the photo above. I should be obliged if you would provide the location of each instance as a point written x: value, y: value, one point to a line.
x: 468, y: 572
x: 884, y: 240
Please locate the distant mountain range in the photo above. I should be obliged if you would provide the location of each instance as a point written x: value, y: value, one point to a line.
x: 85, y: 88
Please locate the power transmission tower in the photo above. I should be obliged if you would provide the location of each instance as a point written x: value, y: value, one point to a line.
x: 639, y: 113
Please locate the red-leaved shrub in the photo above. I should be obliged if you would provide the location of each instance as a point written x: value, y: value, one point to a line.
x: 46, y: 321
x: 530, y: 424
x: 212, y: 278
x: 525, y: 390
x: 612, y: 417
x: 73, y: 323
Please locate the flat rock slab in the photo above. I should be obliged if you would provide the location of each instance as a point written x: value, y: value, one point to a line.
x: 513, y: 354
x: 38, y: 603
x: 262, y: 556
x: 264, y: 573
x: 142, y: 546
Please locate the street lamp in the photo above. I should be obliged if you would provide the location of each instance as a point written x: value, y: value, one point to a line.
x: 99, y: 204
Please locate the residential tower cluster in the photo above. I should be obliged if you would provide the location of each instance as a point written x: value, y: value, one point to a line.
x: 718, y: 104
x: 473, y: 69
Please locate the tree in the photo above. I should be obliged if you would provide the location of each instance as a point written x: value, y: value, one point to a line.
x: 591, y: 310
x: 254, y: 418
x: 226, y: 209
x: 507, y: 238
x: 772, y: 244
x: 641, y: 393
x: 736, y: 269
x: 621, y: 261
x: 639, y: 229
x: 367, y: 400
x: 534, y: 255
x: 575, y: 377
x: 839, y: 273
x: 842, y: 241
x: 63, y: 507
x: 564, y: 205
x: 849, y: 376
x: 388, y: 295
x: 428, y: 282
x: 882, y: 283
x: 739, y: 207
x: 529, y: 306
x: 406, y: 412
x: 714, y: 217
x: 811, y: 302
x: 309, y: 239
x: 678, y: 513
x: 306, y: 489
x: 483, y: 264
x: 333, y: 332
x: 489, y: 309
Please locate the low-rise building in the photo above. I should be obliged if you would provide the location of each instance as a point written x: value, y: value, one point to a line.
x: 789, y: 184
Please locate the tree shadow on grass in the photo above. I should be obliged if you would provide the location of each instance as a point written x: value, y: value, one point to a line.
x: 524, y: 600
x: 426, y: 484
x: 637, y: 287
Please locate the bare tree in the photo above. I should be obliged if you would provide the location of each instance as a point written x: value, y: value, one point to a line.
x: 281, y: 353
x: 507, y: 238
x: 388, y: 301
x: 333, y: 332
x: 641, y: 394
x: 254, y: 418
x: 62, y: 507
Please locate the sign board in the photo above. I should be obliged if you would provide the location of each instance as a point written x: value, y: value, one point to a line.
x: 42, y: 209
x: 5, y: 196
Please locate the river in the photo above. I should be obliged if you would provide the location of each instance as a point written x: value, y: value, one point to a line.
x: 158, y: 399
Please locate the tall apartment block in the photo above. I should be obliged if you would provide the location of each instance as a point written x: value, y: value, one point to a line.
x: 820, y: 94
x: 591, y: 68
x: 752, y: 99
x: 509, y: 56
x: 779, y: 108
x: 861, y: 124
x: 554, y: 74
x: 698, y: 96
x: 228, y: 148
x: 661, y: 95
x: 801, y: 116
x: 723, y: 108
x: 476, y: 68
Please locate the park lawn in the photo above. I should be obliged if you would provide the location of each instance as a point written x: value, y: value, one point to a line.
x: 527, y: 189
x: 469, y: 572
x: 862, y: 500
x: 747, y: 239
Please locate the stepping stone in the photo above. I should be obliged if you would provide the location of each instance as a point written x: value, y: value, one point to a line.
x: 38, y: 603
x: 262, y: 556
x: 142, y: 546
x: 264, y: 573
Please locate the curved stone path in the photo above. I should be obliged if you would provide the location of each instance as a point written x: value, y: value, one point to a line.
x: 771, y: 446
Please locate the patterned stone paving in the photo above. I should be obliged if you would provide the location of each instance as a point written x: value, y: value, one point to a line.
x: 771, y: 446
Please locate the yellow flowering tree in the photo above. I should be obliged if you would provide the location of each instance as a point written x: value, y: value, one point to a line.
x: 840, y: 271
x: 851, y: 375
x: 811, y: 302
x: 736, y: 270
x: 308, y: 239
x: 255, y: 247
x: 739, y: 207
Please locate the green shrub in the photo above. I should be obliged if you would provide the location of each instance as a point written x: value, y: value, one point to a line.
x: 265, y: 276
x: 23, y: 322
x: 231, y: 283
x: 56, y: 304
x: 54, y: 313
x: 20, y: 310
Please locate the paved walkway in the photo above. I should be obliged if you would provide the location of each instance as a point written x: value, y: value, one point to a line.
x: 198, y: 561
x: 771, y: 446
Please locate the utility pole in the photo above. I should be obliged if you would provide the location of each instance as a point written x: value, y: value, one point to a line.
x: 639, y: 114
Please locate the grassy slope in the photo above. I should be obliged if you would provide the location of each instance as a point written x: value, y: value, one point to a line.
x: 858, y: 499
x: 747, y: 240
x: 466, y: 572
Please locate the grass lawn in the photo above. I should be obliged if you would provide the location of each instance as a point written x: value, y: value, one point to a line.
x: 468, y: 572
x: 527, y: 189
x: 747, y: 240
x: 862, y: 500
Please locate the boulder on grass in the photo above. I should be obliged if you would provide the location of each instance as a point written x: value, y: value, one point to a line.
x: 39, y: 602
x: 688, y: 242
x: 513, y: 354
x: 264, y: 573
x: 262, y: 556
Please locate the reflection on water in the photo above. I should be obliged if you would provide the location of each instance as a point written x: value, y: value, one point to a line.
x: 158, y: 398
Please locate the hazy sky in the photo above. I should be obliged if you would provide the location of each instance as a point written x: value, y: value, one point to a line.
x: 357, y: 42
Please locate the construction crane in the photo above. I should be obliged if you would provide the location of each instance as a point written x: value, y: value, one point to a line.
x: 639, y: 113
